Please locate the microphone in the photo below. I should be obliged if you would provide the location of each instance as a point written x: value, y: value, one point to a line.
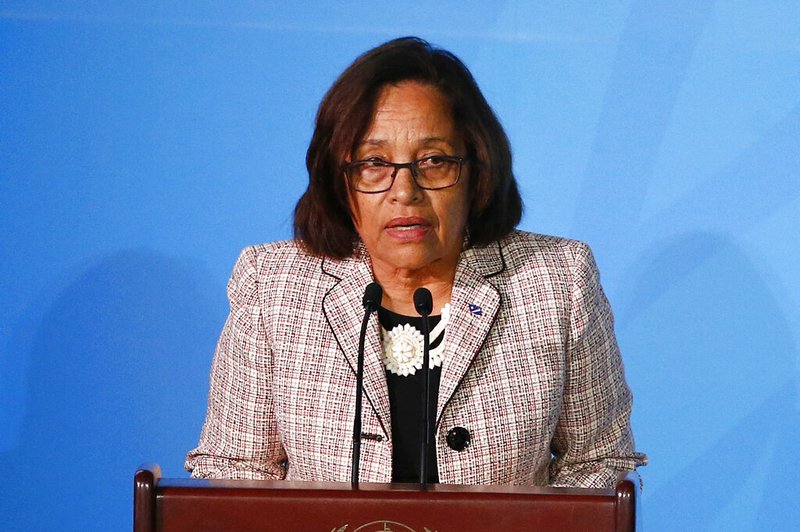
x: 423, y: 302
x: 373, y: 295
x: 371, y: 301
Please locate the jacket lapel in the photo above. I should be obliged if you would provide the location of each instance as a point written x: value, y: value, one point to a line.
x: 474, y: 305
x: 343, y: 309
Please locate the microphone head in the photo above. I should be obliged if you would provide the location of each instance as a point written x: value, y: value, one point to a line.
x: 373, y: 295
x: 423, y: 301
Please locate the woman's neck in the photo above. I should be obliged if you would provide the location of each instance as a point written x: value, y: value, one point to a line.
x: 399, y: 287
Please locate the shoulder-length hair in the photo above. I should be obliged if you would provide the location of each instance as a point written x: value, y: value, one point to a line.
x: 323, y: 221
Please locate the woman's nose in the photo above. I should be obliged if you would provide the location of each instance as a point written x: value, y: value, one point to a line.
x: 405, y: 187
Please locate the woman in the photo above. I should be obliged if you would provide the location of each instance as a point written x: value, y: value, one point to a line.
x: 411, y: 186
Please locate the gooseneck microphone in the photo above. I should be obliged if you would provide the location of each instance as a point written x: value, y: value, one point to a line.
x: 423, y: 302
x: 371, y: 301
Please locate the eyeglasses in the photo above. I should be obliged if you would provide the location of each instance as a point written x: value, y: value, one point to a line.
x: 375, y: 175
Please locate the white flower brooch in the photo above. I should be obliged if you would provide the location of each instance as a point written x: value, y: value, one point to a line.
x: 403, y: 346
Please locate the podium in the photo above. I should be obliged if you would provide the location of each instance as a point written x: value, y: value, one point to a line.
x: 170, y: 504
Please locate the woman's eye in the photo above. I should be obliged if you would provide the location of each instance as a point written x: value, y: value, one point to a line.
x: 431, y: 162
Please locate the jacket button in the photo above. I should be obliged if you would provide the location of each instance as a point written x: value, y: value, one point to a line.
x: 458, y: 438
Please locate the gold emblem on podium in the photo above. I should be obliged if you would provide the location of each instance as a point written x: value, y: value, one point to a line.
x: 380, y: 526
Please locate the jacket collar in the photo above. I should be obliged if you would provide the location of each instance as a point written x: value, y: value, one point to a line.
x: 343, y: 309
x: 474, y: 305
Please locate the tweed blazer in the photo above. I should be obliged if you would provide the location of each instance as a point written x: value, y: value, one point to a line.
x: 531, y: 369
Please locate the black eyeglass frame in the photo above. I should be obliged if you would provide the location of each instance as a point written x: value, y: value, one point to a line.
x: 413, y: 167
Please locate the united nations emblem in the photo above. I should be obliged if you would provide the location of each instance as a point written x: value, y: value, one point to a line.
x: 381, y: 526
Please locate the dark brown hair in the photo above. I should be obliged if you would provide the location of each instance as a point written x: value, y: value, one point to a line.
x: 322, y: 218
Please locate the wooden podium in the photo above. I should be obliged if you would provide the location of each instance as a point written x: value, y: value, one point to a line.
x: 168, y: 504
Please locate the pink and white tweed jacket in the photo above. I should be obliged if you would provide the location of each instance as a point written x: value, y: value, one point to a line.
x: 531, y: 369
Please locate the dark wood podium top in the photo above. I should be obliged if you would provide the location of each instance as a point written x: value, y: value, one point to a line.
x: 168, y: 504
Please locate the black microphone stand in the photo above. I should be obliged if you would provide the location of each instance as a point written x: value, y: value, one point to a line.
x: 372, y: 300
x: 423, y: 302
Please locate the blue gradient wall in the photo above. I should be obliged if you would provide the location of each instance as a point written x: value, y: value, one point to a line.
x: 143, y: 145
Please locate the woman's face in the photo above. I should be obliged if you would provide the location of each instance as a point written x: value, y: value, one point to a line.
x: 406, y: 227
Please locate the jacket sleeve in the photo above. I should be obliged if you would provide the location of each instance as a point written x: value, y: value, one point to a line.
x: 593, y: 440
x: 240, y: 438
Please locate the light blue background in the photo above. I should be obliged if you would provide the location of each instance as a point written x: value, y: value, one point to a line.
x: 143, y: 145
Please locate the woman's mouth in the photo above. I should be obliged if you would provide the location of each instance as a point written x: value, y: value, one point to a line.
x: 408, y: 228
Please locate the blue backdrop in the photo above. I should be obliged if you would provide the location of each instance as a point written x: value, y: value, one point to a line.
x: 142, y: 145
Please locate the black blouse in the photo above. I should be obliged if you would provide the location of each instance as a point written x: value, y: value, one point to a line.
x: 406, y: 397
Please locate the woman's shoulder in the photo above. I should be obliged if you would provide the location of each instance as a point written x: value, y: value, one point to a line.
x: 546, y: 260
x: 524, y: 246
x: 283, y: 255
x: 534, y: 254
x: 275, y: 251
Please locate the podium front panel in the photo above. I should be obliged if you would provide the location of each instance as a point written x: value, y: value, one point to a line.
x: 200, y: 505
